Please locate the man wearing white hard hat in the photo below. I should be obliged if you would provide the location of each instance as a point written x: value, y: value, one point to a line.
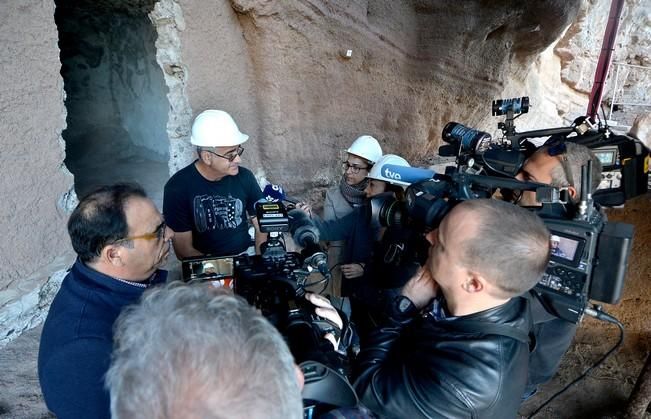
x: 206, y: 203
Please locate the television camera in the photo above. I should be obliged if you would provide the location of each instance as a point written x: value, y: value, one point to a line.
x: 592, y: 254
x: 275, y: 282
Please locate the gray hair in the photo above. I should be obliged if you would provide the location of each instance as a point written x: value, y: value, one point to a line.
x: 576, y: 155
x: 193, y: 351
x: 510, y: 246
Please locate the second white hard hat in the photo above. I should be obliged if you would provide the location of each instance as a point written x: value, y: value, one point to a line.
x: 367, y: 148
x: 379, y: 171
x: 214, y: 128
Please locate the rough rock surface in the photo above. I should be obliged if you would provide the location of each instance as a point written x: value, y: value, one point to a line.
x: 579, y: 50
x: 35, y: 186
x: 415, y: 65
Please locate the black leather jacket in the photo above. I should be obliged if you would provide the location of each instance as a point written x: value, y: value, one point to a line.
x: 419, y: 367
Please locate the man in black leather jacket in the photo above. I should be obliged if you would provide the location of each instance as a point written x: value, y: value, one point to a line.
x: 456, y: 342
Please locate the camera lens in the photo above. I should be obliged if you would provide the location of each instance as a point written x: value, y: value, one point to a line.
x: 470, y: 139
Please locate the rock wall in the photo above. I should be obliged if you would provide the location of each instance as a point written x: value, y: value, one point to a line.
x: 35, y: 186
x: 415, y: 65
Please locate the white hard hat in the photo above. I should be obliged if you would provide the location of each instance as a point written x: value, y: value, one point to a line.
x: 213, y: 128
x: 367, y: 148
x: 555, y: 239
x: 380, y: 172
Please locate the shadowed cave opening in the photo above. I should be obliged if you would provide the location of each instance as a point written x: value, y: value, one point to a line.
x: 115, y: 95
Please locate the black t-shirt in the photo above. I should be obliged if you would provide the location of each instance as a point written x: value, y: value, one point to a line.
x: 215, y: 211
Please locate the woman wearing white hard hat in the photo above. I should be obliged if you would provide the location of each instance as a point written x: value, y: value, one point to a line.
x: 360, y: 158
x: 349, y: 194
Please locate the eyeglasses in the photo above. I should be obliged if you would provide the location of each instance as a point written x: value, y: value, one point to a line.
x: 230, y: 156
x: 354, y: 169
x: 157, y: 234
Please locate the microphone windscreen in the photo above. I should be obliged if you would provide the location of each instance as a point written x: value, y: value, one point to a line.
x: 273, y: 193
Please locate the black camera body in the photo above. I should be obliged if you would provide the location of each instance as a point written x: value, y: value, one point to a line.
x: 275, y: 283
x: 589, y: 264
x: 592, y: 256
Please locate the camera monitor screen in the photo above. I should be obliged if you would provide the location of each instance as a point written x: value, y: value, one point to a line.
x: 207, y: 268
x: 566, y: 249
x: 606, y: 155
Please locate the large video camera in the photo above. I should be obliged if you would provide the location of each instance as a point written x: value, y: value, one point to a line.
x: 589, y: 254
x: 275, y: 282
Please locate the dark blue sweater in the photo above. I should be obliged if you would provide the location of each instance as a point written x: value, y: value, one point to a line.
x: 77, y: 340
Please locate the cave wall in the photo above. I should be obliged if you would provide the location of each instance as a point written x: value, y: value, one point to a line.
x: 116, y: 95
x: 415, y: 66
x: 35, y: 188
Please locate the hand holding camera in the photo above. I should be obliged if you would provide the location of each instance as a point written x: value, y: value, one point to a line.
x: 333, y: 321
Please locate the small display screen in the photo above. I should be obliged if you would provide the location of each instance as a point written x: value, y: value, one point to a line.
x: 208, y: 269
x: 565, y: 248
x: 606, y: 156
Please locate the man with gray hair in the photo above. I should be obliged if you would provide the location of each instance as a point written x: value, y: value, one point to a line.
x: 557, y: 164
x: 456, y: 341
x: 193, y: 351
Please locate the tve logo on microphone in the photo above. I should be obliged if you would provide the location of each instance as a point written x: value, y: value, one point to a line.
x: 406, y: 174
x: 391, y: 175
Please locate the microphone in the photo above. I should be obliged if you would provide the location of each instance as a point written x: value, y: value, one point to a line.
x: 406, y: 174
x: 276, y: 193
x: 273, y: 193
x: 306, y: 235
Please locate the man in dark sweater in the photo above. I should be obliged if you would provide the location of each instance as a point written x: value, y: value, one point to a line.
x: 121, y: 240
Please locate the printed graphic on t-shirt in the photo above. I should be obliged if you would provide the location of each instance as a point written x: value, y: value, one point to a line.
x: 215, y: 212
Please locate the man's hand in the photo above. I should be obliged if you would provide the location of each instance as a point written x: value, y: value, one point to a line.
x: 352, y: 270
x: 421, y: 288
x: 325, y: 309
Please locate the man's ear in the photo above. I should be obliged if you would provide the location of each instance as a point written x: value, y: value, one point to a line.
x: 112, y: 254
x: 572, y: 191
x: 204, y: 156
x: 473, y: 283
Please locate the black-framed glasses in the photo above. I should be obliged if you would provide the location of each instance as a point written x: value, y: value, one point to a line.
x: 157, y: 234
x: 229, y: 156
x: 352, y: 167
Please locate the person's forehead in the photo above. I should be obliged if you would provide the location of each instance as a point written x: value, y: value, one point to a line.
x: 227, y: 148
x: 540, y: 161
x: 355, y: 159
x: 142, y: 214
